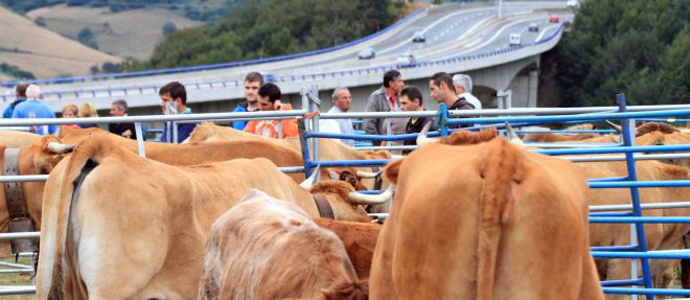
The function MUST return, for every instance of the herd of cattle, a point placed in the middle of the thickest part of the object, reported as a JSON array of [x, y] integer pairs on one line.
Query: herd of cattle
[[474, 216]]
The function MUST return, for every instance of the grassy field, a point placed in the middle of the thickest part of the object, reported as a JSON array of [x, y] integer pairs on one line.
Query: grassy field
[[132, 33], [17, 279], [43, 52]]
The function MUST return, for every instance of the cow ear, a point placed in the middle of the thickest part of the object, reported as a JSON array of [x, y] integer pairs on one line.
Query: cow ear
[[391, 171]]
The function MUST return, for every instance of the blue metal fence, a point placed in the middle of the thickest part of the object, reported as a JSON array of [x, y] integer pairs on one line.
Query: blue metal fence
[[638, 249]]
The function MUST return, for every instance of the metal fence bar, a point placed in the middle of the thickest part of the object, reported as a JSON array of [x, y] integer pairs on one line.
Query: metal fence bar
[[640, 184], [645, 206], [640, 220], [20, 235], [646, 291], [17, 290]]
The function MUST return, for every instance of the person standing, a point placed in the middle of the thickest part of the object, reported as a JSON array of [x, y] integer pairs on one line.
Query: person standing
[[269, 100], [342, 101], [443, 91], [411, 100], [252, 82], [33, 108], [386, 99], [21, 97], [463, 88], [119, 109], [87, 110], [70, 111], [174, 102]]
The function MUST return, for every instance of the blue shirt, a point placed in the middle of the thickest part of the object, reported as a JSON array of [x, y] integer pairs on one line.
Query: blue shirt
[[183, 130], [8, 111], [35, 109]]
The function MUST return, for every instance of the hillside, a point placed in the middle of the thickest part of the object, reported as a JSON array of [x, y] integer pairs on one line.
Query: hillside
[[131, 33], [43, 52]]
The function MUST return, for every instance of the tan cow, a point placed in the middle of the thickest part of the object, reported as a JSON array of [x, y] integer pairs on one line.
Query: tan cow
[[16, 139], [359, 240], [485, 221], [329, 149], [121, 226], [264, 249]]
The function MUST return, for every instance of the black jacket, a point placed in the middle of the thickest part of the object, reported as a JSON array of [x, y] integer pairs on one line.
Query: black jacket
[[459, 104], [119, 128], [416, 126]]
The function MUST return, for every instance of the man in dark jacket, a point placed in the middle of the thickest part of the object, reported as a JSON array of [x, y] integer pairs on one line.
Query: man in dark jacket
[[252, 82], [119, 109], [443, 91], [411, 100]]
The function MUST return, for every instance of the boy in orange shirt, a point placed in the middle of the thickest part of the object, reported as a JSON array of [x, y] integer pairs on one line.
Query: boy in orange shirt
[[269, 100]]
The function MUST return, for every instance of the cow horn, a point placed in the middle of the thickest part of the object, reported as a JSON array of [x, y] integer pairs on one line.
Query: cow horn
[[512, 136], [422, 138], [56, 147], [309, 182], [333, 175], [365, 174], [616, 127], [363, 199]]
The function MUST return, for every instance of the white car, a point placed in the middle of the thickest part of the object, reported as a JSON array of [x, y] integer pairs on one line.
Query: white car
[[572, 3], [406, 60], [418, 37], [367, 53], [534, 26], [514, 39]]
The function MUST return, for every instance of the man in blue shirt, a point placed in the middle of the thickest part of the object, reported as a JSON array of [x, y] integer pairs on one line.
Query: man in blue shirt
[[21, 97], [252, 82], [174, 102], [34, 108]]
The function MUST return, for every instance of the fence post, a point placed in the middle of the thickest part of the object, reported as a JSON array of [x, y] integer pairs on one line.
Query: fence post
[[140, 139], [629, 141], [303, 134], [314, 105]]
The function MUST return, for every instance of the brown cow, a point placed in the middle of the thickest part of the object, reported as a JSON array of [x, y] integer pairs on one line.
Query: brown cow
[[119, 226], [264, 248], [359, 240], [485, 221], [17, 139]]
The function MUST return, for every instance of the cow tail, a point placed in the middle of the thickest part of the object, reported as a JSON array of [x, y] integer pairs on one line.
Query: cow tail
[[80, 163], [498, 171]]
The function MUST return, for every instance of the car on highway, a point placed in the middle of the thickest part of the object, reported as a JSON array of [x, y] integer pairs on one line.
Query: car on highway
[[554, 19], [514, 39], [367, 53], [406, 60], [534, 26], [573, 3], [418, 37]]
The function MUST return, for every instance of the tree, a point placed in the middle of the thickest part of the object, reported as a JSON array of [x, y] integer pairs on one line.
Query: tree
[[87, 38], [635, 46], [168, 28]]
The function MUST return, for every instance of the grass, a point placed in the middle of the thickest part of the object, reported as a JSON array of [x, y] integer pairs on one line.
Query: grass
[[17, 279], [43, 52], [131, 33]]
